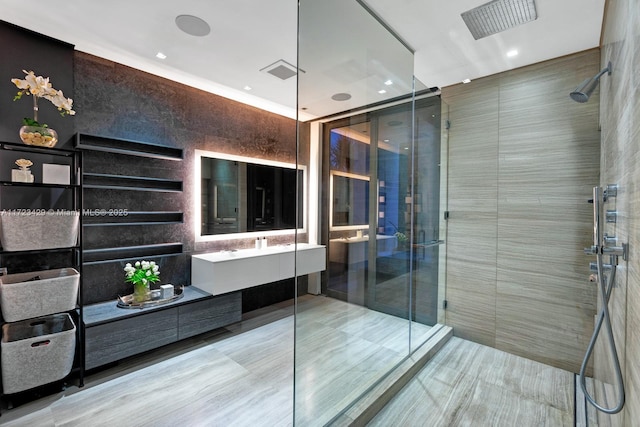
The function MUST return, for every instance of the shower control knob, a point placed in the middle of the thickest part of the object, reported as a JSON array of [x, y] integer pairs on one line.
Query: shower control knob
[[593, 267], [622, 251], [591, 250], [611, 191]]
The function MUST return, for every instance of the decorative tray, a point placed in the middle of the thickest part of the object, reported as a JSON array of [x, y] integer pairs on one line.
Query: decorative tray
[[128, 302]]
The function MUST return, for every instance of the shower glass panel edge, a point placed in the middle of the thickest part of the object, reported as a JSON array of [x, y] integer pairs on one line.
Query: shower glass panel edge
[[348, 60]]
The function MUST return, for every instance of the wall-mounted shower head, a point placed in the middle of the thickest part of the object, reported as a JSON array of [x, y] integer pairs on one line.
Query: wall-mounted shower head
[[586, 88]]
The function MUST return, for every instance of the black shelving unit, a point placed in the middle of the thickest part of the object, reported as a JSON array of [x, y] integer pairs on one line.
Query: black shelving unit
[[128, 152], [144, 175], [42, 198]]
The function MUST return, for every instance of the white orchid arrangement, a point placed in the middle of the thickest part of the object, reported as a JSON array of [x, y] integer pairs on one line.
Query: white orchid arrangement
[[40, 87], [142, 272]]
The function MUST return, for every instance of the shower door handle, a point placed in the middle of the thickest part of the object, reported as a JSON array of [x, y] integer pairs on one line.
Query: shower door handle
[[426, 245]]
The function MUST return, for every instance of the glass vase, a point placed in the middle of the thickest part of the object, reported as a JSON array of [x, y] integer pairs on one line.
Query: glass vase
[[39, 136], [141, 292]]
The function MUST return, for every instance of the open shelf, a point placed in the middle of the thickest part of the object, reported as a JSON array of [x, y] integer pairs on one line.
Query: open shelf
[[130, 148], [132, 183], [131, 253], [36, 149], [133, 218], [36, 185], [39, 251]]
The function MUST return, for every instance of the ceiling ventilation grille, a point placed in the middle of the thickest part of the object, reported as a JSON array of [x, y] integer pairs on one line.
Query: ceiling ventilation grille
[[499, 15], [281, 69]]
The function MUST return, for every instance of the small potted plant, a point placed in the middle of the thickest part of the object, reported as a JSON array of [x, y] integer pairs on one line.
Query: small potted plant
[[142, 274], [401, 237]]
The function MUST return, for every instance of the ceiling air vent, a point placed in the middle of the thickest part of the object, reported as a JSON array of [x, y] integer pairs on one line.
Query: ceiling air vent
[[499, 15], [281, 69]]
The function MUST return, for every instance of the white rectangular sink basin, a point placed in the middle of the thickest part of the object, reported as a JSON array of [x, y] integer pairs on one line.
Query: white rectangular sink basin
[[228, 271]]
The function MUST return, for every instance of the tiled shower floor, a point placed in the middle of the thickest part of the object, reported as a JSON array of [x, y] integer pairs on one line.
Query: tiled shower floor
[[468, 384]]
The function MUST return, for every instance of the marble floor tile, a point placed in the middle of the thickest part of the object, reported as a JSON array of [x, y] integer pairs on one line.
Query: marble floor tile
[[528, 378], [468, 384], [243, 376]]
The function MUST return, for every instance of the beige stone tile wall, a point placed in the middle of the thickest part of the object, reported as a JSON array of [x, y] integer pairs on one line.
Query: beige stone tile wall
[[620, 164], [522, 161]]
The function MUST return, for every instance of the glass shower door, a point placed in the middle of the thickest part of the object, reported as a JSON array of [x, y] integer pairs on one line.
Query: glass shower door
[[348, 61], [403, 281]]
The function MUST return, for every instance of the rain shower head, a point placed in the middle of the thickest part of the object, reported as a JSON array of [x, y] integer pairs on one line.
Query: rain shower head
[[586, 88]]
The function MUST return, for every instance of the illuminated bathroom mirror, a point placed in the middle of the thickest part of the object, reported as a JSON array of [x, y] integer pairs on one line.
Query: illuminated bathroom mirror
[[349, 201], [239, 196]]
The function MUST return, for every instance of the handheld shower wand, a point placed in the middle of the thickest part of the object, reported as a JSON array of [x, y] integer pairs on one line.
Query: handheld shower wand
[[605, 287]]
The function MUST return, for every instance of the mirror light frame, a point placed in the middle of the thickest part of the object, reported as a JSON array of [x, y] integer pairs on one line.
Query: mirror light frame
[[344, 227], [197, 191]]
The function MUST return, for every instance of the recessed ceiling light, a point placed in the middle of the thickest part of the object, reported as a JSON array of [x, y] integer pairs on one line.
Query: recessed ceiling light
[[342, 96], [161, 55], [512, 53], [465, 81], [193, 25], [381, 91], [247, 88], [385, 140], [406, 148], [388, 82]]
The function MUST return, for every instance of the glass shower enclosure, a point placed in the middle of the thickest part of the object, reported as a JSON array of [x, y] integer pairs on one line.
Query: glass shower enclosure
[[376, 132]]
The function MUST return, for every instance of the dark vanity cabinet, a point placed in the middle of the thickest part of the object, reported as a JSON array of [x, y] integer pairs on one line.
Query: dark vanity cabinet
[[114, 333]]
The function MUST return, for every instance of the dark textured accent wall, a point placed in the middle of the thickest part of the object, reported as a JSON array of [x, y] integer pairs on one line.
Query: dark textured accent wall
[[113, 100]]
